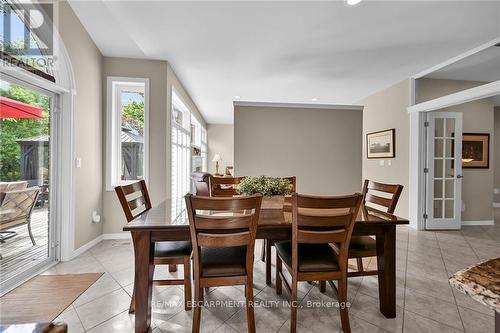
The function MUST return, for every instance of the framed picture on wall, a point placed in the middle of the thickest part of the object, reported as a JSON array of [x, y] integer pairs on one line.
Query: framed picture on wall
[[476, 150], [381, 144]]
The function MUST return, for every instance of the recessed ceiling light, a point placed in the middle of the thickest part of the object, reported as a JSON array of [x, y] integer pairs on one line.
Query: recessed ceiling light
[[353, 2], [314, 99], [237, 97]]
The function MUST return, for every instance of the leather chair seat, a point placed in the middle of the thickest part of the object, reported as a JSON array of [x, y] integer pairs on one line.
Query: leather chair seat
[[173, 249], [362, 246], [312, 257], [227, 261]]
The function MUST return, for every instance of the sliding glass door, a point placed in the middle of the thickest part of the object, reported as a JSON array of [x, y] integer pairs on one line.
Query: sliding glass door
[[28, 162]]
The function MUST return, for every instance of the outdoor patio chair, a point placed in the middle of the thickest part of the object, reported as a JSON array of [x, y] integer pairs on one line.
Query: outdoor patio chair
[[15, 210]]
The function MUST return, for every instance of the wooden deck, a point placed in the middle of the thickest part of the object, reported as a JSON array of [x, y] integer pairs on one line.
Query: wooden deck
[[18, 253]]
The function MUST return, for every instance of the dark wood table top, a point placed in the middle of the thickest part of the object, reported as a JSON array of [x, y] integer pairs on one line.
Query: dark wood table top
[[171, 214]]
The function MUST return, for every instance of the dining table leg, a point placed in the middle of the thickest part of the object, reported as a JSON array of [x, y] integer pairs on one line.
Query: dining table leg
[[386, 266], [143, 279]]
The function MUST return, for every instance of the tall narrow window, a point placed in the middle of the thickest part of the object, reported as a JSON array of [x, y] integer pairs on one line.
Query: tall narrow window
[[181, 147], [127, 130]]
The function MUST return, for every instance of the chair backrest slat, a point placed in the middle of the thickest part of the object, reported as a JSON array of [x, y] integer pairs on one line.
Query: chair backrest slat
[[207, 203], [222, 240], [134, 199], [314, 237], [224, 186], [223, 222], [323, 221], [393, 190]]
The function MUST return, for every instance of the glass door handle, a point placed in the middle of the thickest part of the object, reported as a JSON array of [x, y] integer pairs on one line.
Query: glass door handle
[[459, 176]]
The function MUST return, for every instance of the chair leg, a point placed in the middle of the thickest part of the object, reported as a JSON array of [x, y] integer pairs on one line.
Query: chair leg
[[263, 251], [293, 307], [131, 308], [187, 283], [30, 233], [279, 267], [268, 262], [197, 310], [322, 286], [172, 268], [344, 311], [250, 312], [360, 264]]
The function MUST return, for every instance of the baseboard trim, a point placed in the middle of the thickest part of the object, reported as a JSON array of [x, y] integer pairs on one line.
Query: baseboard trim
[[496, 204], [86, 247], [481, 222], [118, 235]]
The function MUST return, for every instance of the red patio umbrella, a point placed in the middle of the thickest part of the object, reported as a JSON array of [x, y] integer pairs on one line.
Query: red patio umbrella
[[10, 108]]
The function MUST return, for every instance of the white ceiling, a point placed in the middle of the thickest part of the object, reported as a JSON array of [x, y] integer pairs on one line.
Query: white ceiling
[[288, 51], [482, 66]]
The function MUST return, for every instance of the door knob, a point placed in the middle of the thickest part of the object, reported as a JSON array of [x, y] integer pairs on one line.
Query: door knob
[[459, 176]]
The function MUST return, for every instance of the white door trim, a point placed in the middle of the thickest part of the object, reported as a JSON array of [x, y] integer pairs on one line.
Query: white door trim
[[464, 96]]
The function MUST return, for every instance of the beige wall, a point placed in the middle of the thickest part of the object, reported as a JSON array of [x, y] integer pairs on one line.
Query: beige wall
[[86, 61], [322, 147], [161, 81], [220, 141], [478, 117], [386, 109], [496, 150]]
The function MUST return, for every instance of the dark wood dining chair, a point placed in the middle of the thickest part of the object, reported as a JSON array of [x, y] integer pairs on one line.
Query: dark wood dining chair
[[265, 254], [318, 222], [135, 200], [223, 234], [224, 186], [365, 246]]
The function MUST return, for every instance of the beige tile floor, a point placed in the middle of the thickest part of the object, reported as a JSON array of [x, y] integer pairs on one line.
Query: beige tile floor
[[425, 301]]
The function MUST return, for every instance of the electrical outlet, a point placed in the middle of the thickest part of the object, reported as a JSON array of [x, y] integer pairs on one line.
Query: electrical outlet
[[96, 218], [389, 162]]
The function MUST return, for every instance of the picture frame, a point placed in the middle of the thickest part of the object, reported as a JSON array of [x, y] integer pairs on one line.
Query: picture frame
[[476, 150], [381, 144]]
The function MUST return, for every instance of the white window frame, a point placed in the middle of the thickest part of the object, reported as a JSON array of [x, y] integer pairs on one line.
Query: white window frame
[[113, 131], [186, 128]]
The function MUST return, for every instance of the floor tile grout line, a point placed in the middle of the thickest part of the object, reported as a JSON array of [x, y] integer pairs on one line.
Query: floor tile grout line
[[456, 303], [435, 321], [102, 322], [78, 316]]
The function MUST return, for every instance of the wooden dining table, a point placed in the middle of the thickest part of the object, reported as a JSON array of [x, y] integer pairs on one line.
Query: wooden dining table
[[168, 222]]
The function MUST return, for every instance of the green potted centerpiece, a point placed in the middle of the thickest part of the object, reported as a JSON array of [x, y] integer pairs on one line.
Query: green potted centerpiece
[[273, 189]]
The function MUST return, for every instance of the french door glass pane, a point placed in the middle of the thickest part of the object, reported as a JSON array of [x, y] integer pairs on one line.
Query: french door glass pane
[[438, 209], [439, 128], [25, 128], [450, 127]]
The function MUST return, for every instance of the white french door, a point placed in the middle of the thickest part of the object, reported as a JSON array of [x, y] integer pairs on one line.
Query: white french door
[[444, 166]]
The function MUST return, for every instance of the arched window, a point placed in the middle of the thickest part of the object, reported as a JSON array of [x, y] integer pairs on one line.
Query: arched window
[[27, 38]]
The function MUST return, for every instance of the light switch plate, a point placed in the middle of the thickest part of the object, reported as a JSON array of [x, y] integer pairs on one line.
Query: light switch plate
[[389, 162], [381, 162], [78, 162]]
